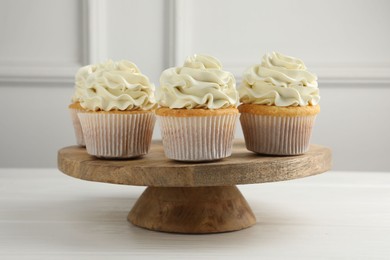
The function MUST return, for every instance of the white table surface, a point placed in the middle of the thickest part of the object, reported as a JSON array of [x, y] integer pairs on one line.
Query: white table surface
[[45, 214]]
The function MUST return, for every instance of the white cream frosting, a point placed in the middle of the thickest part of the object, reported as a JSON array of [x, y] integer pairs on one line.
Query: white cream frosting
[[113, 86], [200, 83], [80, 83], [281, 81]]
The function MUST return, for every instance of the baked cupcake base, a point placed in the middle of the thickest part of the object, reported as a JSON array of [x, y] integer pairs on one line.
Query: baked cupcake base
[[277, 130], [117, 134], [197, 134], [74, 109]]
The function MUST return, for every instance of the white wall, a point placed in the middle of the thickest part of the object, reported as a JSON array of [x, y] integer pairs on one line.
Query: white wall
[[344, 42]]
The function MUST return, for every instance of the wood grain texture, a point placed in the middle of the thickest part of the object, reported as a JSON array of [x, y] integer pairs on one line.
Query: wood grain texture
[[192, 210], [155, 170]]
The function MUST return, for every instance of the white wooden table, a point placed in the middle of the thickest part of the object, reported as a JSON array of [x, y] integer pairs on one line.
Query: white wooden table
[[45, 214]]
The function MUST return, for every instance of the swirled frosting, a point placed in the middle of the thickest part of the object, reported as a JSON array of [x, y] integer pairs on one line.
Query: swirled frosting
[[113, 86], [80, 83], [281, 81], [199, 83]]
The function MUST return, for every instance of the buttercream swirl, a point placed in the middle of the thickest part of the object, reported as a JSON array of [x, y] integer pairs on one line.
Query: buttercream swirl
[[80, 83], [199, 83], [281, 81], [113, 86]]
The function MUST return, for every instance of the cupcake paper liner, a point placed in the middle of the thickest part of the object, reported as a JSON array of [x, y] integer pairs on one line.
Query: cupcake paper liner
[[277, 135], [198, 138], [117, 135], [77, 126]]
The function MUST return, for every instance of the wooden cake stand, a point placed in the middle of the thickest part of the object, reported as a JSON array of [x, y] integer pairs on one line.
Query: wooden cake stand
[[193, 197]]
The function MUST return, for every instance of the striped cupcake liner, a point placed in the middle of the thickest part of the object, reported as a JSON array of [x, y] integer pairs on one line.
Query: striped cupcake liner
[[276, 135], [77, 126], [117, 135], [198, 138]]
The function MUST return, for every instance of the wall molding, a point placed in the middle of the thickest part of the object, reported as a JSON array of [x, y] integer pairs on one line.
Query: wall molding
[[95, 31], [92, 45], [179, 38], [329, 74]]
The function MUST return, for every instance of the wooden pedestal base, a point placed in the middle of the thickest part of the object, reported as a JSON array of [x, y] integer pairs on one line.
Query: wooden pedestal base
[[193, 197], [192, 210]]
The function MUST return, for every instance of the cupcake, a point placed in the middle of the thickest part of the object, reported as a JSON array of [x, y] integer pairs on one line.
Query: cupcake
[[75, 107], [117, 116], [198, 110], [280, 103]]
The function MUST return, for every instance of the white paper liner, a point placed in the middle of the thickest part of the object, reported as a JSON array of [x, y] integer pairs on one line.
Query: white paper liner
[[117, 135], [198, 138], [277, 135], [77, 126]]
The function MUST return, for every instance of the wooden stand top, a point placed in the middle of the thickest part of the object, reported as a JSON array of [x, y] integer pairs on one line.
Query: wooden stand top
[[156, 170]]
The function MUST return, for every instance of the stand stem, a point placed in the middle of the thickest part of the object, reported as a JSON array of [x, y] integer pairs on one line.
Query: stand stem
[[192, 210]]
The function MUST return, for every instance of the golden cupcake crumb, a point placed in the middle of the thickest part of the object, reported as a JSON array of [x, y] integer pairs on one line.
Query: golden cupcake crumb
[[76, 105], [122, 112], [183, 112], [279, 111]]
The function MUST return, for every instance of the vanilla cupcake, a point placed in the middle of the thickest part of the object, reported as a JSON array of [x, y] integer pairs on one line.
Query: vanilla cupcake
[[198, 110], [280, 103], [117, 115], [75, 107]]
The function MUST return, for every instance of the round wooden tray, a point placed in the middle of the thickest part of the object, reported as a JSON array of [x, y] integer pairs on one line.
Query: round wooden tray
[[193, 197]]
